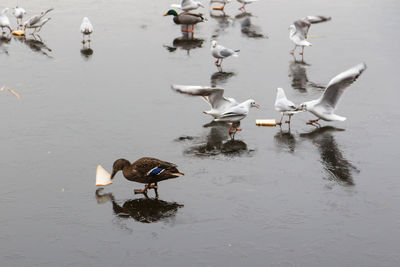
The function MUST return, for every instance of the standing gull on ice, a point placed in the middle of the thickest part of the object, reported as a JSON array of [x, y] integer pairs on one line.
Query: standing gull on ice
[[222, 108], [4, 20], [19, 13], [284, 105], [86, 29], [220, 52], [36, 22], [325, 106], [299, 30], [188, 5]]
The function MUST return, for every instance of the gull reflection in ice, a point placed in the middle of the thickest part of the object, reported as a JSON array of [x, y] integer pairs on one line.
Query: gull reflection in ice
[[215, 142], [250, 30], [144, 210], [336, 166], [223, 20], [36, 44], [220, 77], [4, 42], [86, 53], [186, 42], [298, 73], [285, 140]]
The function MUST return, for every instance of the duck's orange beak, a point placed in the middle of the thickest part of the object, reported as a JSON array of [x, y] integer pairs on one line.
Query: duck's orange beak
[[166, 14]]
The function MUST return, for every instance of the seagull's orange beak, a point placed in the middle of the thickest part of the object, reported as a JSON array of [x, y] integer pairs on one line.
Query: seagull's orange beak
[[257, 105]]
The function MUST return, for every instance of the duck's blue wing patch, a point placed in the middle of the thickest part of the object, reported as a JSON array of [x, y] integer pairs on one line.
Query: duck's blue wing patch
[[155, 171]]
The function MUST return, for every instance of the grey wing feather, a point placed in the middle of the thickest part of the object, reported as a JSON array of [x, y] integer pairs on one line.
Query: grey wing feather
[[316, 19], [213, 96], [225, 52], [302, 27], [339, 83]]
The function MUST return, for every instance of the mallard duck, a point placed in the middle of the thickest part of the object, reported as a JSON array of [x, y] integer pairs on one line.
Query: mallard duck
[[147, 171], [185, 18]]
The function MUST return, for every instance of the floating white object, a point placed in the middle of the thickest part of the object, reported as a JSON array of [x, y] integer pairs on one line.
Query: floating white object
[[18, 33], [271, 122], [103, 177]]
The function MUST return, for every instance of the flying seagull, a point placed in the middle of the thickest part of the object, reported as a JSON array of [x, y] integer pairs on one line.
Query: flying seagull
[[36, 22], [299, 29], [222, 108], [325, 106]]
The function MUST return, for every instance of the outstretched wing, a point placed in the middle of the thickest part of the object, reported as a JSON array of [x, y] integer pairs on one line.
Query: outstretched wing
[[213, 96], [303, 25], [35, 19], [339, 83]]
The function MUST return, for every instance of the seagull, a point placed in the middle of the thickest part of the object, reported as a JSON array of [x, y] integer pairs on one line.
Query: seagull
[[223, 108], [245, 2], [36, 22], [188, 5], [19, 13], [220, 52], [299, 30], [284, 105], [86, 29], [4, 21], [325, 106]]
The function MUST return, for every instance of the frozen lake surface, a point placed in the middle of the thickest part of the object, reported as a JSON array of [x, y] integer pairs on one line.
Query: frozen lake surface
[[325, 197]]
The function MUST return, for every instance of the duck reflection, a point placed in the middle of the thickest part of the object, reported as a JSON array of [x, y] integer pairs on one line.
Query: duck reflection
[[285, 140], [186, 42], [216, 142], [220, 78], [86, 53], [250, 30], [298, 73], [337, 167], [4, 42], [145, 210]]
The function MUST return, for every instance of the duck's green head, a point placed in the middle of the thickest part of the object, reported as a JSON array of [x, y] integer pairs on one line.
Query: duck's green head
[[119, 165], [171, 12]]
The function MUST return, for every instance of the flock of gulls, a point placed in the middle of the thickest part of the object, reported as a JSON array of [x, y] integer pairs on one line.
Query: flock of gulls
[[150, 171]]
